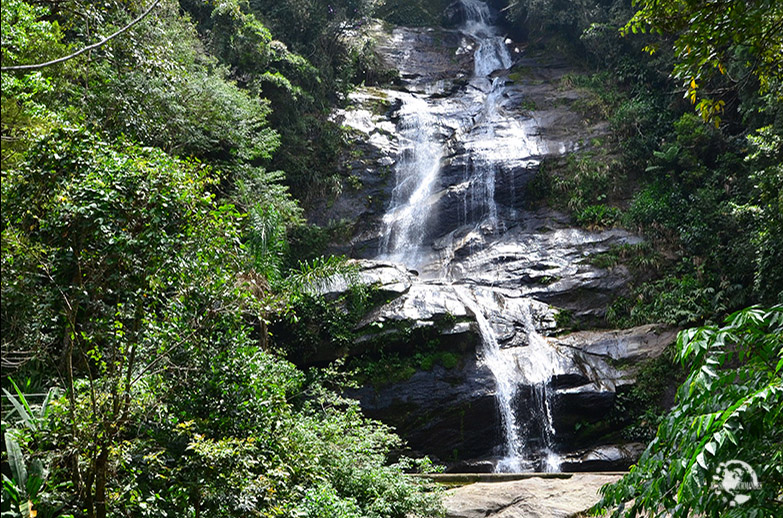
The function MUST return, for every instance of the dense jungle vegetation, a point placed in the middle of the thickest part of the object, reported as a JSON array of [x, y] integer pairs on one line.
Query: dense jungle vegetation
[[153, 198]]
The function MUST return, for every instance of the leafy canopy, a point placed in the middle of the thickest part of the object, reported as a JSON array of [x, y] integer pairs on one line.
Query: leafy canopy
[[733, 38]]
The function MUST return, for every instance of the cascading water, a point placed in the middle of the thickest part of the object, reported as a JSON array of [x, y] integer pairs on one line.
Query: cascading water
[[540, 360], [533, 369], [407, 219], [492, 53], [506, 383], [416, 173]]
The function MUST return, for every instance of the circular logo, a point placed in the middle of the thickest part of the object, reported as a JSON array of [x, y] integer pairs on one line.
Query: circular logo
[[734, 480]]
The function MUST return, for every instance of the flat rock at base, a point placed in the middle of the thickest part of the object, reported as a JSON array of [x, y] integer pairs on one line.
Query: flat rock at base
[[529, 498]]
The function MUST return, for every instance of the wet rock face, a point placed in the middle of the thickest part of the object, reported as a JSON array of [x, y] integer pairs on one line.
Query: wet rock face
[[526, 269], [429, 60], [449, 414]]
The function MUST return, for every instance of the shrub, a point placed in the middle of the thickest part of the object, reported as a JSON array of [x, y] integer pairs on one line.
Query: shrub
[[598, 216]]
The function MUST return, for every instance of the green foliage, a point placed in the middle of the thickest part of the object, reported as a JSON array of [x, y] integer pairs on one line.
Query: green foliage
[[387, 367], [766, 158], [169, 405], [548, 15], [301, 90], [640, 257], [598, 216], [178, 99], [581, 185], [412, 13], [639, 123], [708, 210], [320, 329], [140, 285], [699, 199], [306, 242], [729, 408], [565, 320], [28, 476], [125, 250], [704, 195], [323, 502], [728, 37], [27, 416], [639, 410], [600, 96], [28, 37], [672, 300]]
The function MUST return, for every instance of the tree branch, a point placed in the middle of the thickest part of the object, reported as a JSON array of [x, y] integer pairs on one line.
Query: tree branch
[[87, 48]]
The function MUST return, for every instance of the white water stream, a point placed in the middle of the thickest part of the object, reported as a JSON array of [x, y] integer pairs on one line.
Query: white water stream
[[416, 174], [410, 212]]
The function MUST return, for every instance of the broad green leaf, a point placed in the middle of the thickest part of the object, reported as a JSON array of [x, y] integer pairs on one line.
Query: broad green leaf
[[16, 462]]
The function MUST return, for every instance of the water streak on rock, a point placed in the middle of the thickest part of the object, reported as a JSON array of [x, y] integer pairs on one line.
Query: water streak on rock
[[416, 174]]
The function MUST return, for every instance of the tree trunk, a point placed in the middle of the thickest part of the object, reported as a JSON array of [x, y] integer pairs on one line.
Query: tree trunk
[[101, 467]]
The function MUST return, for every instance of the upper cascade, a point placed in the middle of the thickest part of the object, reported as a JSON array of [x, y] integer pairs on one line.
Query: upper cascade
[[492, 53], [428, 128], [416, 174]]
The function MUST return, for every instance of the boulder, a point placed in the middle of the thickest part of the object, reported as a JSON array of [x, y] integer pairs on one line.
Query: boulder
[[609, 457], [623, 346]]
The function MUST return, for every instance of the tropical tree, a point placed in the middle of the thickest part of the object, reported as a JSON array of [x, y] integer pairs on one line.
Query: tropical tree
[[735, 39]]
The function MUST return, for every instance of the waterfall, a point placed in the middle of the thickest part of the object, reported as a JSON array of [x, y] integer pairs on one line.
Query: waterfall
[[541, 359], [416, 173], [534, 369], [406, 229], [492, 53], [484, 171], [506, 384], [490, 56]]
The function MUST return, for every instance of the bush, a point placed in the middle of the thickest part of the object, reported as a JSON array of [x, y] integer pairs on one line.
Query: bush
[[598, 216]]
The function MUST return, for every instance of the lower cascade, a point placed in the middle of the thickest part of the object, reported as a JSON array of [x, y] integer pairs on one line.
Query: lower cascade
[[509, 375]]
